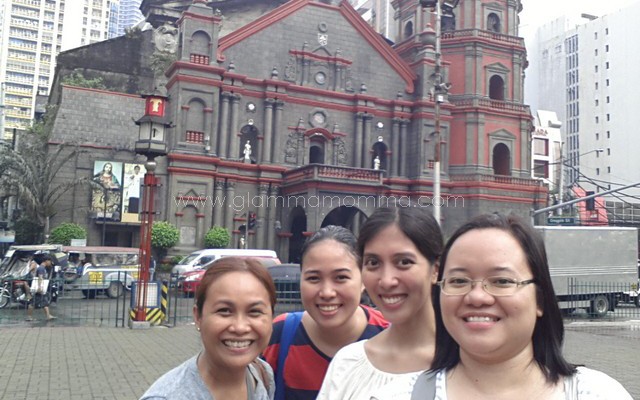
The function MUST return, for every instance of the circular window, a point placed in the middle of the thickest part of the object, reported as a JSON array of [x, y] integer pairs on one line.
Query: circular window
[[320, 78], [319, 118]]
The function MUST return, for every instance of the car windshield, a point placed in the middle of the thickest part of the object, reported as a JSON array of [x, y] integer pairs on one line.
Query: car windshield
[[103, 260], [188, 259]]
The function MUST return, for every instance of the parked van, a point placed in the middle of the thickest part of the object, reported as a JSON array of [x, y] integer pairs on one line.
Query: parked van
[[198, 259], [104, 269], [15, 261]]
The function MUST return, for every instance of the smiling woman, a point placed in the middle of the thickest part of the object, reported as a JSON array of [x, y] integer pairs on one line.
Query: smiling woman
[[500, 330], [233, 314]]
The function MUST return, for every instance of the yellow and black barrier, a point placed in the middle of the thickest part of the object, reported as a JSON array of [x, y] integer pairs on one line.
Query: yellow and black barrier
[[154, 315], [164, 296]]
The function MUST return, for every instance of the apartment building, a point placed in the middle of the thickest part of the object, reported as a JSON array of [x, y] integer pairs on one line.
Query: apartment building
[[585, 72]]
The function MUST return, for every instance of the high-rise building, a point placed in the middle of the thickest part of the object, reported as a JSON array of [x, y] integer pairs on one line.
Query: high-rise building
[[32, 33], [586, 73], [31, 37], [128, 15], [379, 14]]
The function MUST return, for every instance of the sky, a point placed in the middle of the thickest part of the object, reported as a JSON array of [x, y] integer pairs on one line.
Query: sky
[[539, 12]]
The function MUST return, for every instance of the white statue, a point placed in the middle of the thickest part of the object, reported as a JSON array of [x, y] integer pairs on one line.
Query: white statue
[[247, 152], [376, 163]]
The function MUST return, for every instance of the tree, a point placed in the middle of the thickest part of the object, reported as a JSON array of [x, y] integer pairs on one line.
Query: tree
[[217, 238], [63, 233], [28, 171], [164, 236]]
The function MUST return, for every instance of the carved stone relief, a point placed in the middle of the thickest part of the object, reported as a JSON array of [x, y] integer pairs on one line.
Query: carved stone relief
[[291, 150], [341, 152]]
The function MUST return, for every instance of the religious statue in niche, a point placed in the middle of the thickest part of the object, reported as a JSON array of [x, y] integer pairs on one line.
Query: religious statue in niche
[[376, 163], [165, 38], [291, 150], [341, 152], [348, 80], [247, 152]]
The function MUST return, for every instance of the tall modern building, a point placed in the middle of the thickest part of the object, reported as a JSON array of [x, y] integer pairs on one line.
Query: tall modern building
[[31, 37], [586, 73], [379, 14], [128, 15], [32, 33]]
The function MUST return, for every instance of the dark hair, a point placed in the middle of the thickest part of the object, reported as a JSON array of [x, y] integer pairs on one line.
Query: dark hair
[[226, 265], [332, 232], [416, 223], [548, 333]]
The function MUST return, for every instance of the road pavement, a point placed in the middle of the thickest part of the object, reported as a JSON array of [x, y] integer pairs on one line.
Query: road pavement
[[45, 361]]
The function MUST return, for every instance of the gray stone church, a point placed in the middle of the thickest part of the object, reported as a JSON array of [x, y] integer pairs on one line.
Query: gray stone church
[[285, 116]]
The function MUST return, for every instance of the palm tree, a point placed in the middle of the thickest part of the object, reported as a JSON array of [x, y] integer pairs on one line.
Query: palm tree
[[28, 172]]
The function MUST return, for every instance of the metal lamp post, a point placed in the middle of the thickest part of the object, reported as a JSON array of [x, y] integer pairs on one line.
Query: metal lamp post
[[440, 88], [151, 144]]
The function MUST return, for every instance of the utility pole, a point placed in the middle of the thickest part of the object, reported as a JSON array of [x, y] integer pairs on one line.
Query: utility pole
[[439, 98]]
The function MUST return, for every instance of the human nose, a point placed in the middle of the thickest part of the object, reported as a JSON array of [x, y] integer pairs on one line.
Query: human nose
[[478, 295], [327, 290], [388, 277], [240, 324]]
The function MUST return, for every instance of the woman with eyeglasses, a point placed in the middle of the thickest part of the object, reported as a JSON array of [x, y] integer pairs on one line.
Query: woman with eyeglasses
[[400, 248], [499, 327]]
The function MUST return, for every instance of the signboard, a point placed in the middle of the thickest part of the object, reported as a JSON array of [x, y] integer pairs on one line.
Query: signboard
[[133, 179], [561, 221], [106, 203]]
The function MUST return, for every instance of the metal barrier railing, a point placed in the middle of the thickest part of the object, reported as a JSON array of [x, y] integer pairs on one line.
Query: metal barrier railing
[[602, 300]]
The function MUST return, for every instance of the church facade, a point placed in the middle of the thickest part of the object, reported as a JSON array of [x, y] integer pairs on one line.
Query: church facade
[[283, 117]]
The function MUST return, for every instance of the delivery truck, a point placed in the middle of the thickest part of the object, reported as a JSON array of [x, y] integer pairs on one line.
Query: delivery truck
[[593, 268]]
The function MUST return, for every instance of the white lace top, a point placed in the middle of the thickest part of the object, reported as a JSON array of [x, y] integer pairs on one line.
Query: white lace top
[[591, 385], [351, 376]]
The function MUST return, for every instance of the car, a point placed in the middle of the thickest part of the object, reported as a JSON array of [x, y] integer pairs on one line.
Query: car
[[286, 278], [198, 259], [191, 280]]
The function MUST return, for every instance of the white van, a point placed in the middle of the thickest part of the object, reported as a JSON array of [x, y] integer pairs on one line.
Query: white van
[[198, 259]]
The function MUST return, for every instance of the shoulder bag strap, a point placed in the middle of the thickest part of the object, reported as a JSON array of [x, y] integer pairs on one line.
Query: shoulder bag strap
[[264, 376], [288, 331], [425, 386]]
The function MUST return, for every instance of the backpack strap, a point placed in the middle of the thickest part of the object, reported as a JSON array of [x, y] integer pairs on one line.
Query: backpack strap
[[288, 331], [264, 376], [425, 386]]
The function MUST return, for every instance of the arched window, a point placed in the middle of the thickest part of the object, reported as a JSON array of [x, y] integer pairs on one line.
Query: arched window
[[408, 29], [316, 151], [493, 23], [496, 88], [501, 160]]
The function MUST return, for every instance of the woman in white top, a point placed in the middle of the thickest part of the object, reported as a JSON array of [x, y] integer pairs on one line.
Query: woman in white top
[[500, 330], [400, 248]]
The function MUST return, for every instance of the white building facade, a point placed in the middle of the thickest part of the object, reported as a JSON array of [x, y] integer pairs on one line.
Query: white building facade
[[586, 73]]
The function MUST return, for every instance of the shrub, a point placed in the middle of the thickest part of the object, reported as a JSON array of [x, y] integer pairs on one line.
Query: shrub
[[63, 233], [164, 235], [217, 238]]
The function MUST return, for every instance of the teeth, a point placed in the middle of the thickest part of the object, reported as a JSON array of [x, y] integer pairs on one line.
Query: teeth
[[328, 308], [479, 319], [391, 300], [237, 344]]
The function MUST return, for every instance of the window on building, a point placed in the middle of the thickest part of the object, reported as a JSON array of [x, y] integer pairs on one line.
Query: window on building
[[596, 51], [596, 68], [597, 138], [608, 117], [607, 65], [597, 171], [596, 85], [597, 102], [608, 151], [408, 29], [606, 48], [608, 100], [608, 170], [606, 31], [607, 82], [608, 135], [597, 120], [540, 169], [496, 88], [541, 146], [595, 35]]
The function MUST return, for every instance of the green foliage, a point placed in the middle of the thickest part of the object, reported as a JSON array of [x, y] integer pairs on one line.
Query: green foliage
[[28, 171], [77, 79], [28, 231], [176, 259], [217, 238], [63, 233], [164, 235], [160, 61]]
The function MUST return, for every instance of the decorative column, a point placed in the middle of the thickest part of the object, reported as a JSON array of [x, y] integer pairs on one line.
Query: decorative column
[[208, 117], [396, 154], [218, 202], [224, 125], [271, 217], [366, 157], [277, 121], [234, 144], [357, 145], [263, 230], [268, 130], [228, 211], [405, 147]]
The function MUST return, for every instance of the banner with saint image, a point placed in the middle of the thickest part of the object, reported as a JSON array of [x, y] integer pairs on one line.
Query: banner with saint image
[[105, 202], [132, 192]]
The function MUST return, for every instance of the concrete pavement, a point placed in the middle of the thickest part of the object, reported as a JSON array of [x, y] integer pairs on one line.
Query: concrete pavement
[[45, 361]]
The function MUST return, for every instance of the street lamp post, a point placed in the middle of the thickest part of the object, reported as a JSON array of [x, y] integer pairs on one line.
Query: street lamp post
[[151, 144], [440, 88]]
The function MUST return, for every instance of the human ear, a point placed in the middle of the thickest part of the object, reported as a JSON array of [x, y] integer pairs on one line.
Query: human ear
[[434, 272]]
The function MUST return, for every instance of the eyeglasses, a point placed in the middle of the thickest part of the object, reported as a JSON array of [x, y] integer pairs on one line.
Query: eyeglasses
[[494, 285]]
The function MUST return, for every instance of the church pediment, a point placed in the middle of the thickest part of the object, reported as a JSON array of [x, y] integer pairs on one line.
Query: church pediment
[[503, 134]]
